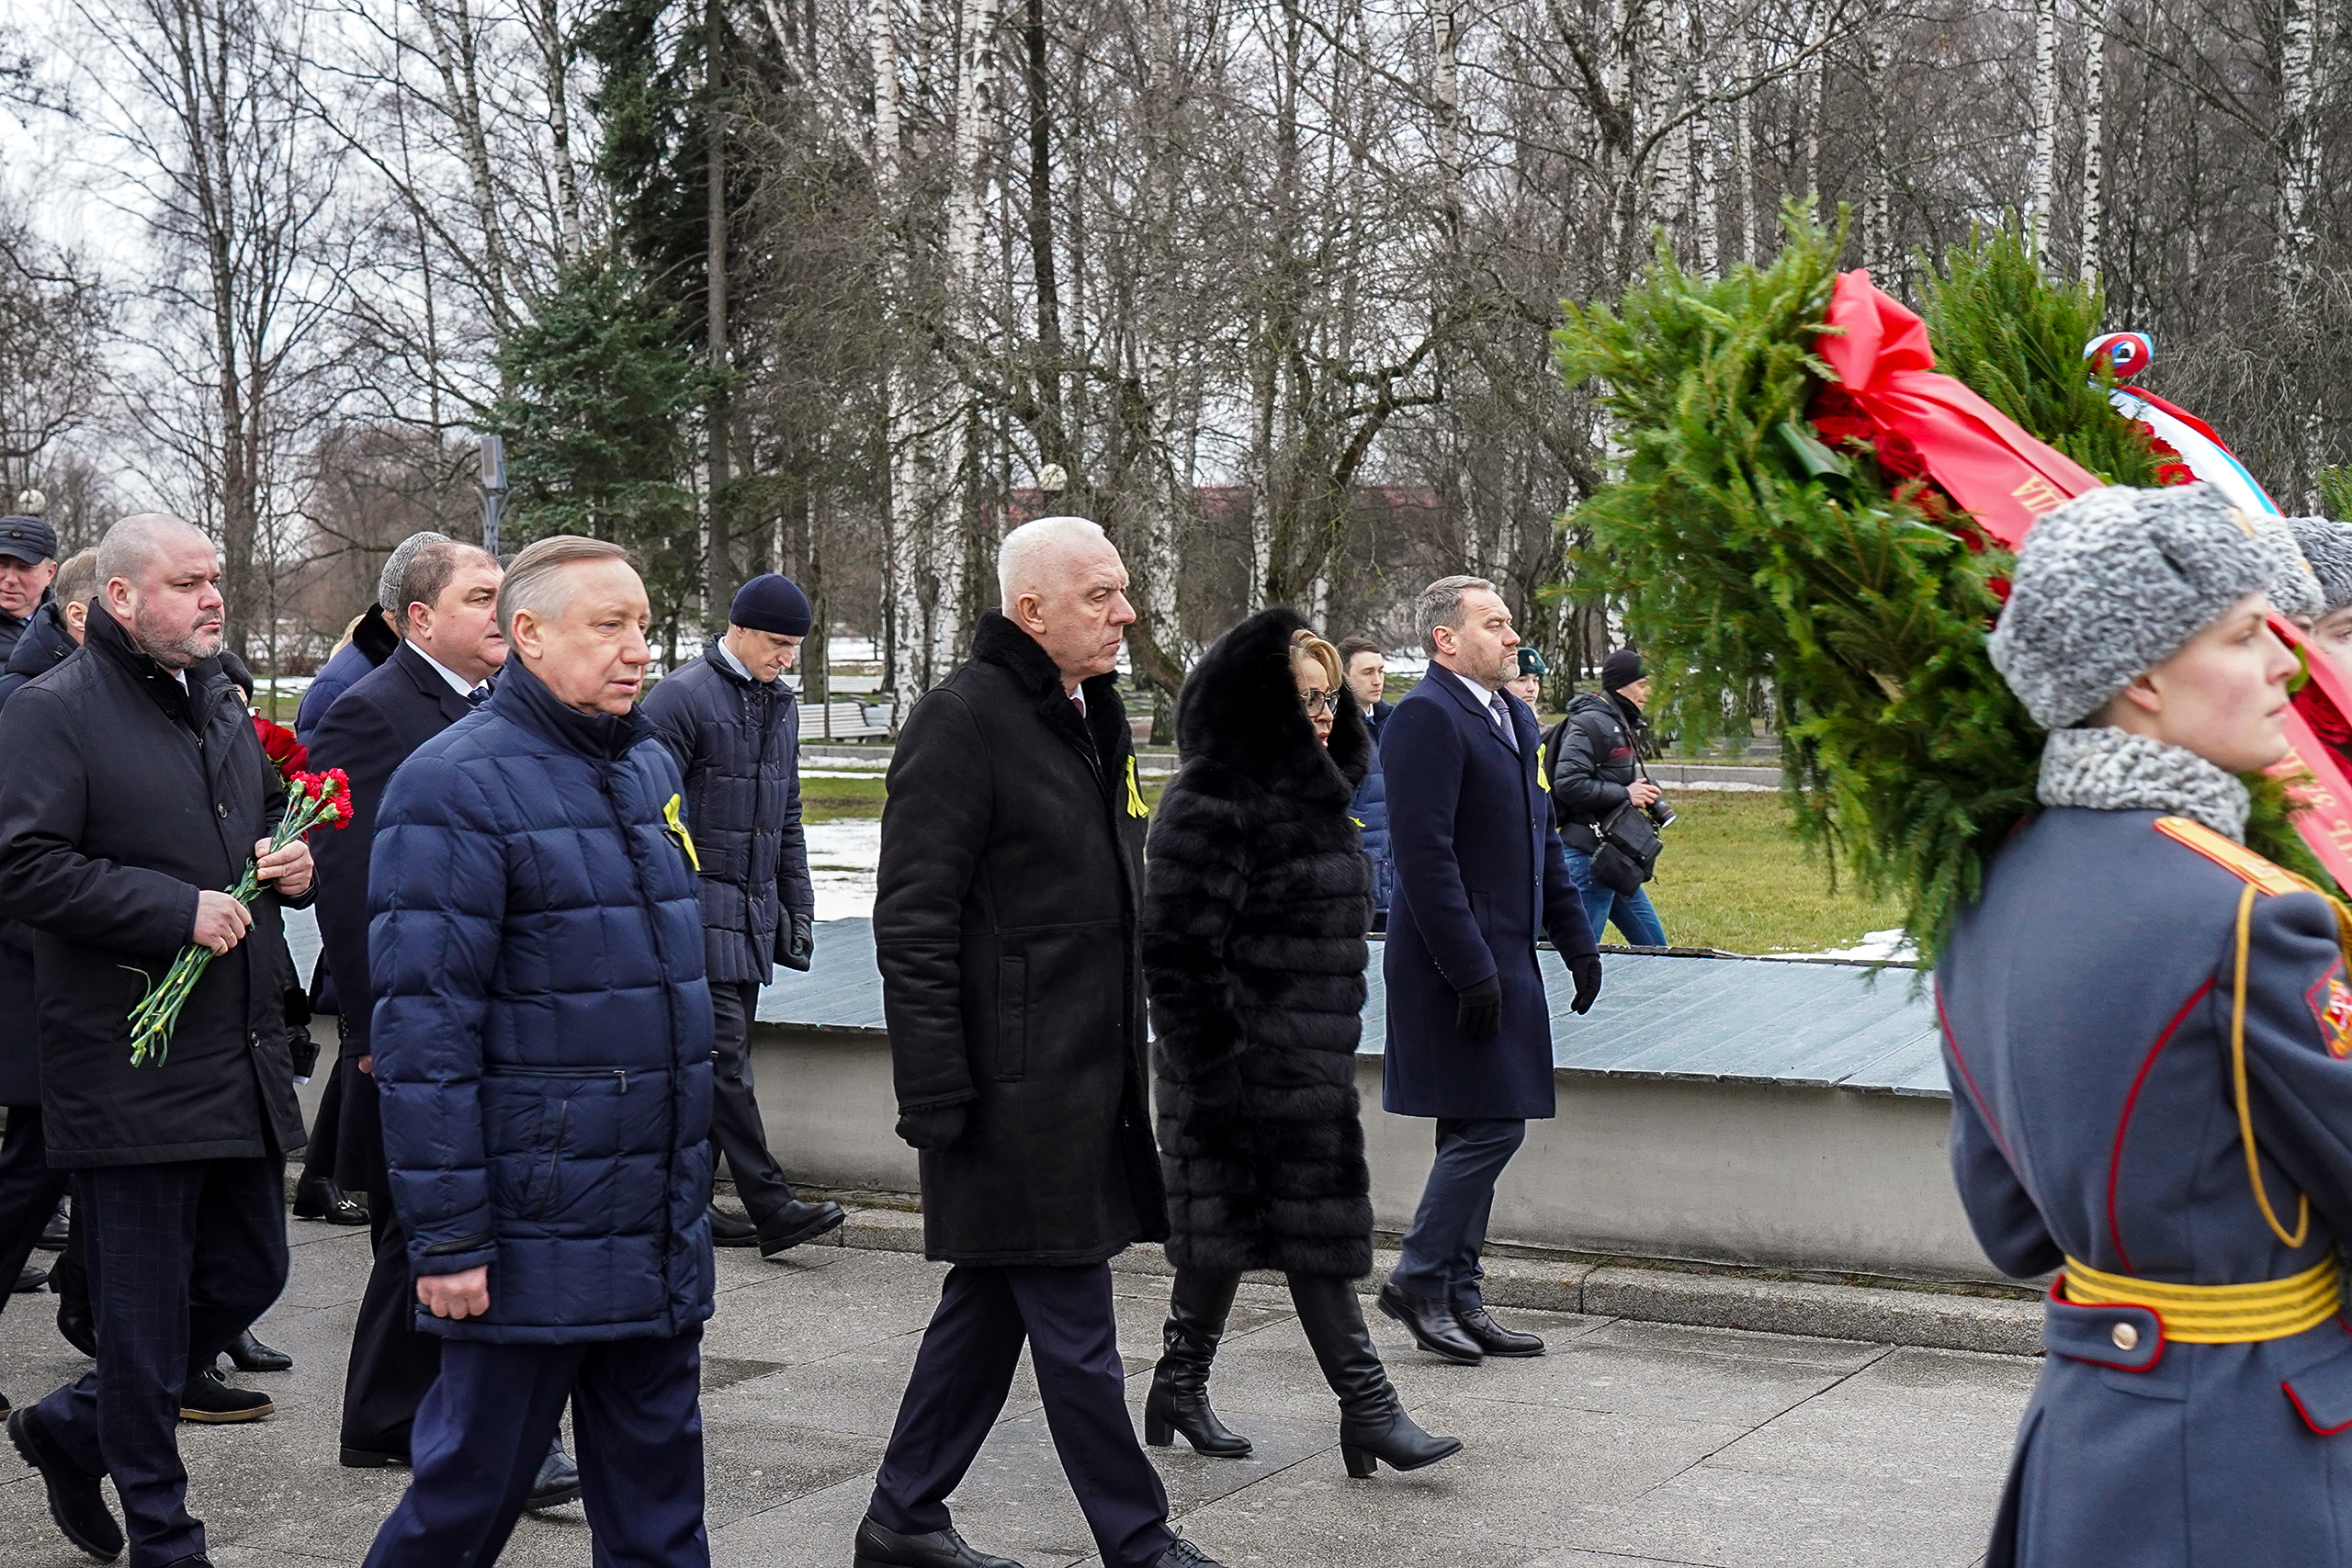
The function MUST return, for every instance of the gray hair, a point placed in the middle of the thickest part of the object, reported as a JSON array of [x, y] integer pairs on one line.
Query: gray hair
[[428, 572], [135, 541], [388, 582], [1440, 604], [1032, 549], [78, 578], [534, 583]]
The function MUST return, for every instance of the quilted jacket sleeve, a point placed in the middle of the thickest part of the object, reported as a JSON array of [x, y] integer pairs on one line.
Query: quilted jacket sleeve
[[436, 894], [1577, 788], [795, 894]]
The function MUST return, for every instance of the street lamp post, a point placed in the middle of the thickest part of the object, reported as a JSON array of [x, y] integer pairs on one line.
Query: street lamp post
[[493, 489]]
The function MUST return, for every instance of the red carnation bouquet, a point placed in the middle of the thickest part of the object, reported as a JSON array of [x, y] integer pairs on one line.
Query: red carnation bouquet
[[312, 800], [284, 754]]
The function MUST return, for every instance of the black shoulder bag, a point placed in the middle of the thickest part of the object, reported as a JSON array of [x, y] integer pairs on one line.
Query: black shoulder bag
[[1630, 843]]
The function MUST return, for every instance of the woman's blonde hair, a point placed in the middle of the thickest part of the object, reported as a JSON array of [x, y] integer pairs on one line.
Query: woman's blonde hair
[[1306, 648]]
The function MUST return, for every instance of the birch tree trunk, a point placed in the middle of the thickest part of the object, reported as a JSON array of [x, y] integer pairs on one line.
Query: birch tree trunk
[[950, 516], [2041, 175], [548, 34], [2094, 137], [455, 47], [901, 544], [718, 554], [2299, 152]]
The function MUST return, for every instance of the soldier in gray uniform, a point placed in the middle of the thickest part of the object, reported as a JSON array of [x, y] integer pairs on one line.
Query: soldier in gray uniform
[[2146, 1027]]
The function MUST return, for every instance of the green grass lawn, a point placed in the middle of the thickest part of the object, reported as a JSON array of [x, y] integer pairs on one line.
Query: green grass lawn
[[1733, 874]]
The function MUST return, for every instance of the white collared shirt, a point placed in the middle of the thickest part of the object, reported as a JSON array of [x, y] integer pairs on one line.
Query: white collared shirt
[[734, 663], [456, 682], [1492, 703]]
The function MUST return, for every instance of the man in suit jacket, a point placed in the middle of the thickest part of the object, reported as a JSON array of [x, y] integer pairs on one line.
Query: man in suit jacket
[[450, 650], [1479, 873]]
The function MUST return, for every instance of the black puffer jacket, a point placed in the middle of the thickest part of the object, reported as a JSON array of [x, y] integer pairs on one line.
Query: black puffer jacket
[[738, 743], [1594, 761], [1004, 925], [1253, 949], [43, 646], [136, 796]]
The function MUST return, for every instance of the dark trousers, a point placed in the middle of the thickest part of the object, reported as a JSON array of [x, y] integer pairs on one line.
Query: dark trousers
[[182, 1258], [392, 1365], [736, 1129], [963, 1373], [483, 1429], [1440, 1254], [318, 1158], [28, 1191]]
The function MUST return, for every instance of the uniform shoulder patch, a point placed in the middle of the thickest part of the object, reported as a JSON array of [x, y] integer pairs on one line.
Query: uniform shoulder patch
[[2331, 1003], [2233, 857]]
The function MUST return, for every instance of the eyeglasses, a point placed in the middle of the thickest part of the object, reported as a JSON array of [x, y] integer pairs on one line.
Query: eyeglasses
[[1319, 702]]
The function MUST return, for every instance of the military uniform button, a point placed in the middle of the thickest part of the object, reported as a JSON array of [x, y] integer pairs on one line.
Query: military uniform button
[[2126, 1337]]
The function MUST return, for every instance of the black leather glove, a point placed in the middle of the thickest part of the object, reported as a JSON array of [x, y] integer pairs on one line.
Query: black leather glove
[[934, 1127], [796, 941], [1478, 1010], [1586, 967]]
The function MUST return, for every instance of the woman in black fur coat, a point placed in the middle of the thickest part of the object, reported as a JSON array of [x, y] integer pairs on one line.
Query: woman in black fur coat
[[1256, 899]]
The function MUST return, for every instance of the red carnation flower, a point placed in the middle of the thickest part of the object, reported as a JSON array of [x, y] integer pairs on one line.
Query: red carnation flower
[[278, 743]]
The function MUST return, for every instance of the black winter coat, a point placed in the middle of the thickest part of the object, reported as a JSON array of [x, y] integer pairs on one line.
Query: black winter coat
[[42, 647], [1253, 948], [1593, 764], [138, 796], [371, 729], [45, 642], [738, 742], [1004, 926]]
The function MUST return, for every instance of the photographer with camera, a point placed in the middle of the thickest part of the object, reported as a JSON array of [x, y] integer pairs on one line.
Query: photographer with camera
[[1608, 810]]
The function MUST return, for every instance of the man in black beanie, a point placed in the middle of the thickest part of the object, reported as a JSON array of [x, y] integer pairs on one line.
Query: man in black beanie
[[735, 728]]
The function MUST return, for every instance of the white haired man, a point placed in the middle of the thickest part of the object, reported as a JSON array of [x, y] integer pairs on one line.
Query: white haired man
[[1004, 925]]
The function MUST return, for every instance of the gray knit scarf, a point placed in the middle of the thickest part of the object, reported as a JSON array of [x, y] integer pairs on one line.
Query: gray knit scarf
[[2114, 770]]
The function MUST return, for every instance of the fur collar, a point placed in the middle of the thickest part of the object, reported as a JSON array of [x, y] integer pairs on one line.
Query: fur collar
[[995, 640], [1240, 709], [2112, 770]]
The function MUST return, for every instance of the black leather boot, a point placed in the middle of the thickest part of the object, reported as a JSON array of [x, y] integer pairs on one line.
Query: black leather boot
[[1179, 1401], [1374, 1427]]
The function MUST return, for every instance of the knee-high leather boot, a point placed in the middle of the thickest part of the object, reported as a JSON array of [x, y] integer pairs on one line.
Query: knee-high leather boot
[[1179, 1401], [1374, 1427]]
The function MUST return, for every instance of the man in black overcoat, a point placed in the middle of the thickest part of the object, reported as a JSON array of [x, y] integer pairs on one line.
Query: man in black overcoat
[[1005, 927], [118, 849], [1479, 875], [449, 648]]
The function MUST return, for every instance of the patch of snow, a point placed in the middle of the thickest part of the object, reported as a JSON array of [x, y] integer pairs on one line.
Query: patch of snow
[[841, 861], [1894, 944]]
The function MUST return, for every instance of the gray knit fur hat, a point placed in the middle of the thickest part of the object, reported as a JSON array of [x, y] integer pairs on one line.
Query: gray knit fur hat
[[2296, 591], [2113, 583], [387, 582], [2327, 548]]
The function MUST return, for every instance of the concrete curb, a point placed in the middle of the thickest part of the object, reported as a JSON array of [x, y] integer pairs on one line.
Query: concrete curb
[[1935, 1319]]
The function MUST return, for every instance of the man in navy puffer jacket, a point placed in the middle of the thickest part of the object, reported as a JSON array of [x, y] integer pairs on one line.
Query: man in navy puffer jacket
[[542, 1035]]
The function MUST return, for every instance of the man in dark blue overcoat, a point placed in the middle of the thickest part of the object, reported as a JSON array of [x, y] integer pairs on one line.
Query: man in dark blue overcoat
[[1479, 873]]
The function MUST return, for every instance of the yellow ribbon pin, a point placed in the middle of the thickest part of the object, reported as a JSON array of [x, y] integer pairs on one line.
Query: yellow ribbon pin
[[678, 831], [1134, 793]]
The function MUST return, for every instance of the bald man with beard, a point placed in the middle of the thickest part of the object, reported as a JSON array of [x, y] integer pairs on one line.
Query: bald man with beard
[[118, 849]]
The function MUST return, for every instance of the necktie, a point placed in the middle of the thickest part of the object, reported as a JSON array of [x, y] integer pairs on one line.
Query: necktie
[[478, 696], [1502, 720]]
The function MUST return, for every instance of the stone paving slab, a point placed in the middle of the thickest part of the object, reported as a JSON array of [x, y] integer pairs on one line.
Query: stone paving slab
[[1629, 1443]]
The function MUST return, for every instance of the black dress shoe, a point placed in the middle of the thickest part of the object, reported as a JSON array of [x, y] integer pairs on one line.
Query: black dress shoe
[[30, 1279], [1491, 1336], [252, 1356], [878, 1548], [371, 1458], [797, 1222], [557, 1484], [207, 1399], [53, 1235], [726, 1230], [1430, 1322], [76, 1503], [1184, 1554], [317, 1198]]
